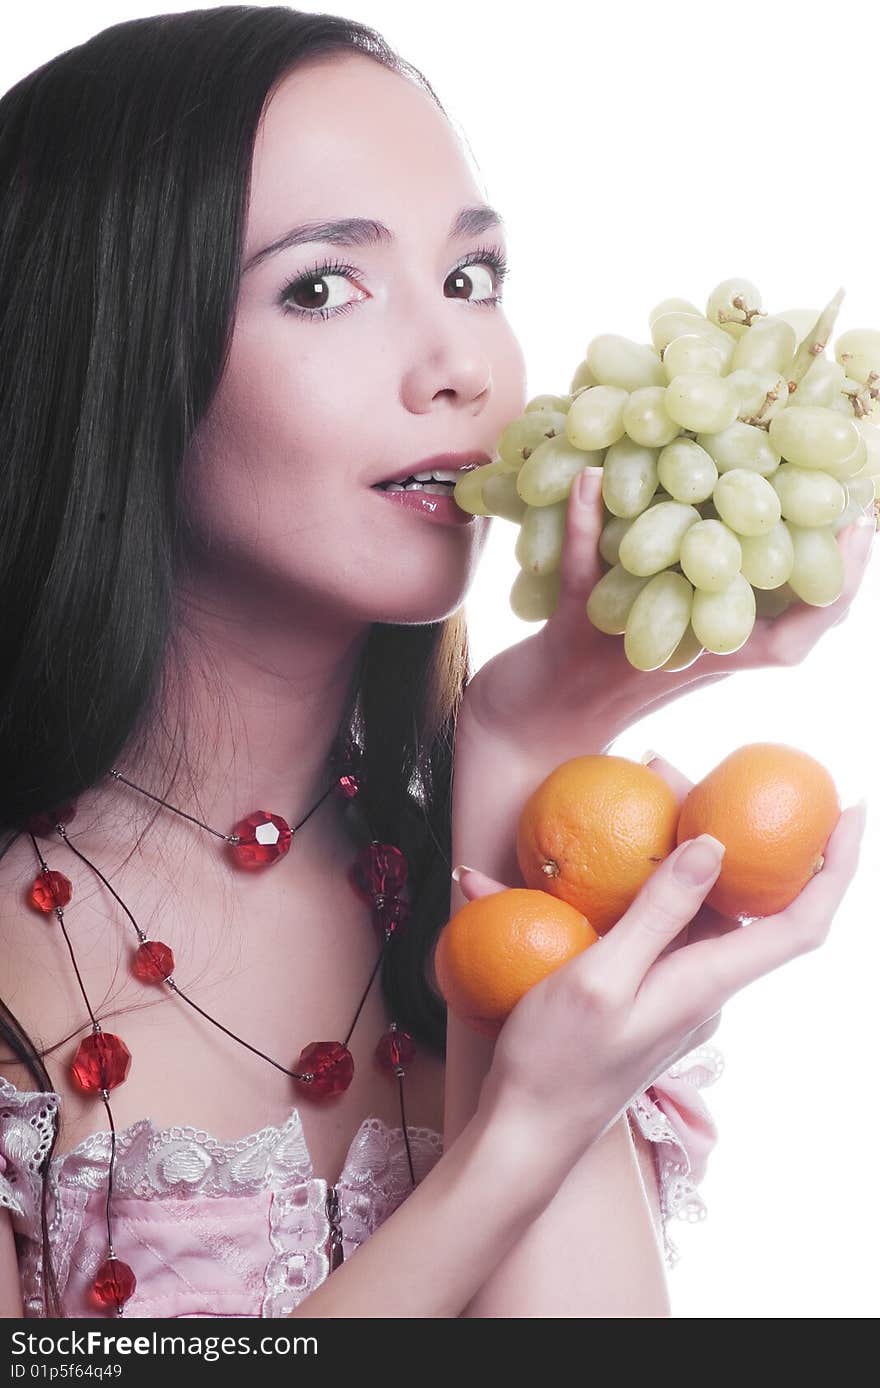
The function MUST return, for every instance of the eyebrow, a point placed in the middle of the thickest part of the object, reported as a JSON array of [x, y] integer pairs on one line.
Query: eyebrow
[[363, 231]]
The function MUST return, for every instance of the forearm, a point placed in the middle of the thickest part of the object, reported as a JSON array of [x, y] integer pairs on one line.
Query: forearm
[[440, 1245], [592, 1252]]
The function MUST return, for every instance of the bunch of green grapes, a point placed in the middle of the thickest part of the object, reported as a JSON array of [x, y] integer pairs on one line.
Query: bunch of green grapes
[[733, 450]]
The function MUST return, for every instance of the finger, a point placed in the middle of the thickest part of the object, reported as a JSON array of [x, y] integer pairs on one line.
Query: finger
[[707, 973], [580, 567], [667, 903], [473, 883], [676, 780], [707, 924]]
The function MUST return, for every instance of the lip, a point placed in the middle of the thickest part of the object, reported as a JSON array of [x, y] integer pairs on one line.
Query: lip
[[444, 462], [441, 510]]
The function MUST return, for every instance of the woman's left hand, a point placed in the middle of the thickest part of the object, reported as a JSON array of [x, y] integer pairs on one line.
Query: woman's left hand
[[569, 688]]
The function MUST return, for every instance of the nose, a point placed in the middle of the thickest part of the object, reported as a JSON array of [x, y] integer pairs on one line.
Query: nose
[[447, 361]]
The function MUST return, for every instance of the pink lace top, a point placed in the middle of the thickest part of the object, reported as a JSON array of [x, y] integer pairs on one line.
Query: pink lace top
[[243, 1228]]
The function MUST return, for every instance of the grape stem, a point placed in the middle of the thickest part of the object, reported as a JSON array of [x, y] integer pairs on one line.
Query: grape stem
[[863, 400], [748, 314], [815, 342], [759, 421]]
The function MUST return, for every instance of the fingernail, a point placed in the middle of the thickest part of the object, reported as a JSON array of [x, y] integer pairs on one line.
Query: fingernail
[[862, 807], [648, 756], [699, 862], [457, 871]]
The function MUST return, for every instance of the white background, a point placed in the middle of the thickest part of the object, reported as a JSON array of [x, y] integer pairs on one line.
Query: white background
[[639, 151]]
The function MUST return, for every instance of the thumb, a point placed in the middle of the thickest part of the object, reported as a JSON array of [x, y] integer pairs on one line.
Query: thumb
[[581, 567], [473, 883]]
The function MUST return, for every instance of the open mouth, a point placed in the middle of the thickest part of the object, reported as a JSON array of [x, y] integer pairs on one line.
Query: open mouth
[[434, 483]]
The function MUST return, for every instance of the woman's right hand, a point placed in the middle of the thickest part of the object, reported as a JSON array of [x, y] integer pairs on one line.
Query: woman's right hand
[[582, 1044]]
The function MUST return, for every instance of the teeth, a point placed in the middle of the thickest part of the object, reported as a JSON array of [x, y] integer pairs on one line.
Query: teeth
[[446, 477], [423, 476], [436, 489], [395, 487]]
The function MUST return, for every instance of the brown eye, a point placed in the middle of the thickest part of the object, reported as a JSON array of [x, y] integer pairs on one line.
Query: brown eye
[[466, 277]]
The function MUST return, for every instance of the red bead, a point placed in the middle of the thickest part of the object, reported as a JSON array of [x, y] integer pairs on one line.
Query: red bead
[[395, 1048], [332, 1065], [348, 787], [49, 890], [153, 962], [389, 913], [114, 1283], [43, 823], [264, 838], [378, 870], [102, 1061]]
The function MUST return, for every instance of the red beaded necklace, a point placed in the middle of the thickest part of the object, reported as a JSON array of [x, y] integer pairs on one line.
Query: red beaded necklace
[[325, 1068]]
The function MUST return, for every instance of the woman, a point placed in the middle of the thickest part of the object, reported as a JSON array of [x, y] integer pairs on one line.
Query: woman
[[209, 590]]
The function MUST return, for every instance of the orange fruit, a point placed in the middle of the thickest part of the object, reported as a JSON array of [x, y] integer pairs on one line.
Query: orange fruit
[[497, 947], [593, 833], [773, 807]]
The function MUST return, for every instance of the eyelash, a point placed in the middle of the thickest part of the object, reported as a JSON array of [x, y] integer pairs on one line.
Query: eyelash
[[483, 255]]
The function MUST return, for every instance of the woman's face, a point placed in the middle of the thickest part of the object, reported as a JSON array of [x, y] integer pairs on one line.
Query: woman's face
[[314, 411]]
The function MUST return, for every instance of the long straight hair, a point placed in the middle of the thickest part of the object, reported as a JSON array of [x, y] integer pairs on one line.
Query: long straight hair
[[124, 183]]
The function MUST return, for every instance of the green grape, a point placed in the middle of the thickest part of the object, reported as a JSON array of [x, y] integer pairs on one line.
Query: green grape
[[746, 502], [582, 378], [762, 394], [803, 320], [686, 652], [768, 345], [702, 403], [813, 437], [533, 598], [711, 556], [871, 436], [859, 502], [657, 621], [646, 420], [616, 361], [613, 531], [549, 404], [817, 574], [807, 496], [595, 419], [669, 326], [526, 432], [852, 465], [546, 476], [772, 602], [672, 306], [767, 560], [539, 542], [741, 445], [859, 352], [609, 604], [821, 385], [653, 541], [687, 471], [629, 477], [691, 352], [468, 490], [721, 309], [501, 498], [723, 621]]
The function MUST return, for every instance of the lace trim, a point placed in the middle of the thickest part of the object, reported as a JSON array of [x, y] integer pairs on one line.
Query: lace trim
[[186, 1161], [679, 1196]]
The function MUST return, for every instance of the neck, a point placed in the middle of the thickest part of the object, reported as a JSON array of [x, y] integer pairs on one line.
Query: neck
[[253, 705]]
